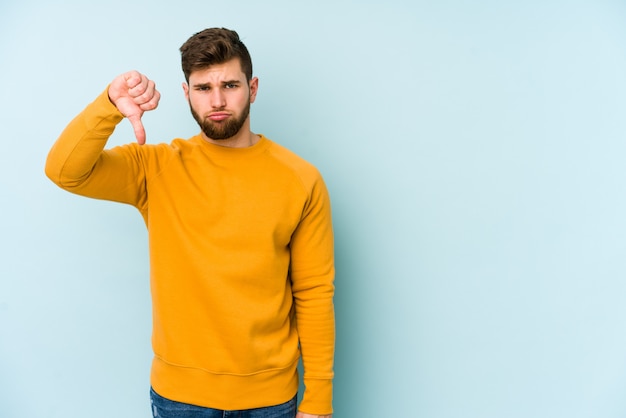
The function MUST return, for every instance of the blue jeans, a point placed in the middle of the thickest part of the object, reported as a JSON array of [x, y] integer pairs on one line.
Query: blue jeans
[[165, 408]]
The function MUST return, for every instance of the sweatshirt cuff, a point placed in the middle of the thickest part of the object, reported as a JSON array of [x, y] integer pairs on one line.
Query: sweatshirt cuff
[[318, 397], [104, 106], [101, 115]]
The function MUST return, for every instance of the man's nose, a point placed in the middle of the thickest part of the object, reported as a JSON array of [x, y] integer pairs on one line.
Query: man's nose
[[218, 99]]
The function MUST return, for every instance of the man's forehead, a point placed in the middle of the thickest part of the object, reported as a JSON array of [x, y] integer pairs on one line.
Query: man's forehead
[[218, 73]]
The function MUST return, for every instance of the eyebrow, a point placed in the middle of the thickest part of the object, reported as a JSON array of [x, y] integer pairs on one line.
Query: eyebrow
[[204, 85]]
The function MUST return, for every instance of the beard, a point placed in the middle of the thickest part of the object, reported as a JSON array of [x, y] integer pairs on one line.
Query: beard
[[223, 129]]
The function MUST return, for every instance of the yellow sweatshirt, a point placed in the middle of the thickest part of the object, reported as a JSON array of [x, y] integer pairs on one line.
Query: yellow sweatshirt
[[241, 260]]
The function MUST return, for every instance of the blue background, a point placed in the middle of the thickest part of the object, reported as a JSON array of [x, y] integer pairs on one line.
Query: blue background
[[474, 152]]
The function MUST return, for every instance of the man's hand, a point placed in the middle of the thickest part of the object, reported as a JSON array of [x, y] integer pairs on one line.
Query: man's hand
[[303, 415], [133, 93]]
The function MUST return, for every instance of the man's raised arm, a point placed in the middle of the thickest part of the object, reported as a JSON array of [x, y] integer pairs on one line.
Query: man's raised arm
[[74, 156]]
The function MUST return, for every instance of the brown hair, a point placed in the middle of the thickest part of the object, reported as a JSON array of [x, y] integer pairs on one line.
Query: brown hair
[[214, 46]]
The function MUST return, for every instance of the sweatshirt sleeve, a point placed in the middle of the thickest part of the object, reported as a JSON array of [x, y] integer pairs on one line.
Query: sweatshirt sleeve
[[312, 274], [79, 163]]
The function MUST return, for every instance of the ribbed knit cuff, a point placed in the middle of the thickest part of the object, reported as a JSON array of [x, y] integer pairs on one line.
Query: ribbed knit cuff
[[318, 397]]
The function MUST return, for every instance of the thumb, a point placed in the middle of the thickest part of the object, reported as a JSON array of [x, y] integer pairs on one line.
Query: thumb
[[140, 132]]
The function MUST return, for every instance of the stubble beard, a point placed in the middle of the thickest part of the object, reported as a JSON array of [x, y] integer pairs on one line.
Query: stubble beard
[[224, 129]]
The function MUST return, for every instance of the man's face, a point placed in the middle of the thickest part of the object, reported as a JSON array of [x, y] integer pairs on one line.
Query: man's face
[[220, 98]]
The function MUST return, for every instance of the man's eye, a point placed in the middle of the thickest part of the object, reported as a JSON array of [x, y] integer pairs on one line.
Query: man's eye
[[230, 86]]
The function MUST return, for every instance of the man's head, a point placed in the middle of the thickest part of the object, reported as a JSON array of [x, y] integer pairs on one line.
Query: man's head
[[220, 86], [214, 46]]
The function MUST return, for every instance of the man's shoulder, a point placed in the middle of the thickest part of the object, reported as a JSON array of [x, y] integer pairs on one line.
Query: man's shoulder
[[175, 146], [290, 159], [156, 156]]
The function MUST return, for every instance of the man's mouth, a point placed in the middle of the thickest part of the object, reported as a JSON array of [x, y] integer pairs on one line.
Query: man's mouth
[[218, 116]]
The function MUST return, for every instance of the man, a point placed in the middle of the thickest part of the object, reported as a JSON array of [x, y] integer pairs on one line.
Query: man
[[240, 237]]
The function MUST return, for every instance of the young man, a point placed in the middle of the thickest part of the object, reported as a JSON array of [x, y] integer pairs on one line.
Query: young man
[[240, 238]]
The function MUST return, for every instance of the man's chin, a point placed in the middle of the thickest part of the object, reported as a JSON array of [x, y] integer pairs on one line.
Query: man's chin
[[212, 135], [220, 133]]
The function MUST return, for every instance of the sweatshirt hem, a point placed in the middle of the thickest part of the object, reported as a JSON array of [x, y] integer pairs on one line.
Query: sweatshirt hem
[[224, 391]]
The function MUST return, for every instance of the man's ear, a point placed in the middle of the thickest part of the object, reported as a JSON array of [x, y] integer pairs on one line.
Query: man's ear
[[254, 87], [186, 90]]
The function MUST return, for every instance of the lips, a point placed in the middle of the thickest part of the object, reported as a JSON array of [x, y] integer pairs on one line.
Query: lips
[[218, 116]]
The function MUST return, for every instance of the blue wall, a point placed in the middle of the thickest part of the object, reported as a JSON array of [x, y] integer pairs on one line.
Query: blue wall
[[475, 156]]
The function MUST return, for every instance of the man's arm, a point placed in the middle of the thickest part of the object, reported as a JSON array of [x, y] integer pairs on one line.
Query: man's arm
[[312, 274], [78, 163]]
